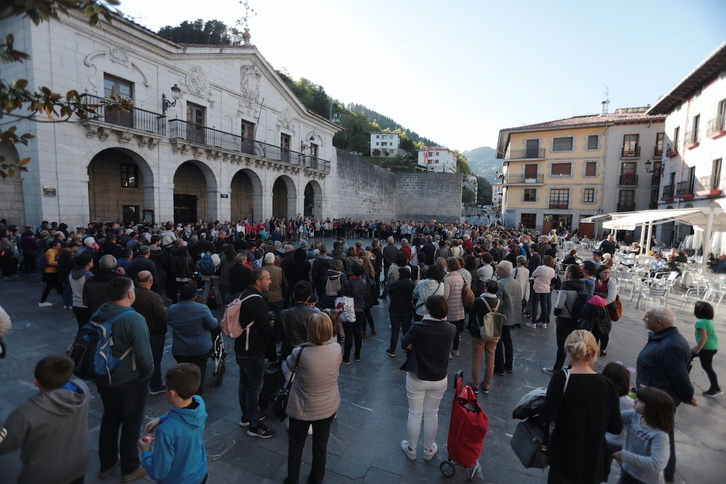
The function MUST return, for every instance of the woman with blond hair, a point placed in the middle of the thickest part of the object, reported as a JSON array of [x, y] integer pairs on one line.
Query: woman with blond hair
[[583, 405], [314, 397]]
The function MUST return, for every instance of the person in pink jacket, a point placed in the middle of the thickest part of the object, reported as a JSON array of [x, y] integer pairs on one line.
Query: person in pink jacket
[[453, 288], [542, 276]]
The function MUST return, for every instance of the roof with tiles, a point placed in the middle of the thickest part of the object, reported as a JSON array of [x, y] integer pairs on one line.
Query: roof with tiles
[[625, 115]]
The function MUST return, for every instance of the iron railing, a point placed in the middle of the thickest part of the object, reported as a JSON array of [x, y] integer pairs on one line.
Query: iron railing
[[136, 119], [209, 137], [716, 124], [523, 179], [684, 188], [629, 179], [626, 207], [691, 137], [711, 183], [657, 152], [526, 154], [668, 191], [630, 152]]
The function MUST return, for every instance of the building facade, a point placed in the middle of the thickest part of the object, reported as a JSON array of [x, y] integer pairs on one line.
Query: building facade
[[695, 144], [214, 133], [385, 144], [436, 158], [558, 172]]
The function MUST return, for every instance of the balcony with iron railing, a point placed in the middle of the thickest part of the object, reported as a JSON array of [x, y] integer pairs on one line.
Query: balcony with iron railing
[[526, 154], [716, 127], [524, 179], [709, 186], [626, 207], [668, 192], [684, 189], [691, 140], [135, 122], [657, 152], [628, 179], [654, 180], [630, 152], [183, 133]]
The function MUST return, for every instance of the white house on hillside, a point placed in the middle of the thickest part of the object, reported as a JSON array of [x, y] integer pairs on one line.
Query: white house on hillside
[[386, 143], [435, 158]]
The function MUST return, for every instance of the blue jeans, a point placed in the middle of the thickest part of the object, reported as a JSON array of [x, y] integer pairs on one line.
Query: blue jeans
[[251, 377], [123, 407], [157, 351], [544, 301], [398, 323]]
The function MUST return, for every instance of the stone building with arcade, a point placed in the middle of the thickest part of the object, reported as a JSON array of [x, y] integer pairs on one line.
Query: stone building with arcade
[[214, 133]]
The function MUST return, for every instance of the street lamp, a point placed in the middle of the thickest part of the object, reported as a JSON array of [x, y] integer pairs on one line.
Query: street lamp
[[175, 95], [656, 170]]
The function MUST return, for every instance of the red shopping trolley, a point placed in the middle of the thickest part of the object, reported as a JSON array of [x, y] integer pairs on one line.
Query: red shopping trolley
[[467, 429]]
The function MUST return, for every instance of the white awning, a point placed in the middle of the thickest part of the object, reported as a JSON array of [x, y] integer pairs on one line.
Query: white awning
[[606, 217], [656, 216]]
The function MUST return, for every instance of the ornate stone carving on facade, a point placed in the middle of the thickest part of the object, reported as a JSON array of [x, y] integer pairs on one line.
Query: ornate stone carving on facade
[[119, 56], [144, 80], [197, 82], [285, 120], [89, 62], [250, 77]]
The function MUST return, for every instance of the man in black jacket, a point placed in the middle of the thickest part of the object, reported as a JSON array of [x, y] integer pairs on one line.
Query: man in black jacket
[[293, 324], [250, 348]]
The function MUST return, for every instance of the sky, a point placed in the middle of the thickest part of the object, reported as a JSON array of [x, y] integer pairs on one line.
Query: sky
[[458, 71]]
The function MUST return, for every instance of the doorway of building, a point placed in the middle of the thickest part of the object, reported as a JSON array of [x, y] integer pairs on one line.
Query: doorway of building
[[185, 208], [555, 221]]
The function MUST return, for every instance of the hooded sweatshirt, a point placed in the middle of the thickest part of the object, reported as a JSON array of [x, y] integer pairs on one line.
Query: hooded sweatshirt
[[51, 431], [77, 280], [179, 455], [425, 289]]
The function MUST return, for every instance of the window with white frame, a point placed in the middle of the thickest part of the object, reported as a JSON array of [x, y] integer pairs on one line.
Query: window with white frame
[[588, 195]]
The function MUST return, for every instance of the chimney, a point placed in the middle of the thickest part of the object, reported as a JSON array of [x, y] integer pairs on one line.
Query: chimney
[[604, 108]]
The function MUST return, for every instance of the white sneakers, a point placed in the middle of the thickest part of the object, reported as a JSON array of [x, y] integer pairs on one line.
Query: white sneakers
[[46, 304], [411, 453]]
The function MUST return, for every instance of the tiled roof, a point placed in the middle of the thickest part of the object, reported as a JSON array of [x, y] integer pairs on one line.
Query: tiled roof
[[590, 120]]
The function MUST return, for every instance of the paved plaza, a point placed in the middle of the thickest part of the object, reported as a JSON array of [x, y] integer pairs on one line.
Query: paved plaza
[[364, 441]]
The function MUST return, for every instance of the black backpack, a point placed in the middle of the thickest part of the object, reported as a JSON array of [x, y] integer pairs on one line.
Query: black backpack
[[582, 297]]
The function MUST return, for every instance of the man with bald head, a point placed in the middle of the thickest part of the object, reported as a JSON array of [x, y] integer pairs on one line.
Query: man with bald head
[[150, 305], [142, 263], [663, 364]]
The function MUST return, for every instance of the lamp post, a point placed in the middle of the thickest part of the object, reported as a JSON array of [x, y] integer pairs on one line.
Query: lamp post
[[175, 95], [656, 170]]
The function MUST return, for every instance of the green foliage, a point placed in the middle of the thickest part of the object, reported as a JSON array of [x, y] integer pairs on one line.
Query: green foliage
[[462, 165], [211, 32], [15, 95], [484, 191], [467, 196]]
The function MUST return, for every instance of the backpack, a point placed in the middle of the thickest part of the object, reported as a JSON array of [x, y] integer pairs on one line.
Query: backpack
[[230, 324], [92, 350], [206, 264], [333, 285], [582, 297], [40, 261], [491, 324]]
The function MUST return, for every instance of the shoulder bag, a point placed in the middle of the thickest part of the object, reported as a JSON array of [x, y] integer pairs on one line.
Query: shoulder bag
[[615, 309], [279, 406], [531, 438]]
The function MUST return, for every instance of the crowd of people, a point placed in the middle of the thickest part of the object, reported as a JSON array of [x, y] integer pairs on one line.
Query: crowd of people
[[439, 281]]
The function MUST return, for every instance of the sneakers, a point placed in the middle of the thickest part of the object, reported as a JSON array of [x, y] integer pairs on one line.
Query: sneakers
[[346, 362], [134, 475], [45, 304], [391, 353], [549, 371], [261, 431], [712, 393], [542, 325], [530, 325], [499, 373], [157, 390], [411, 454], [485, 390], [474, 388], [454, 352], [107, 472], [246, 423], [429, 454]]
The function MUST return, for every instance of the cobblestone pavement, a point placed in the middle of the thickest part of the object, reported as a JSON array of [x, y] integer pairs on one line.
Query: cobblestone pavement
[[364, 443]]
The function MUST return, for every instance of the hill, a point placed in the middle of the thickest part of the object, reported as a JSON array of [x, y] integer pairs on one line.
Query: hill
[[483, 162]]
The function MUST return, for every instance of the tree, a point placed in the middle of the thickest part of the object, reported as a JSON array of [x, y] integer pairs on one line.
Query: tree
[[467, 196], [484, 191], [462, 165], [14, 95], [211, 32]]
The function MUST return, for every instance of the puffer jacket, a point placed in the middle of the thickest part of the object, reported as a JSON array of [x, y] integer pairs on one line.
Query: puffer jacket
[[453, 286], [314, 394], [425, 289]]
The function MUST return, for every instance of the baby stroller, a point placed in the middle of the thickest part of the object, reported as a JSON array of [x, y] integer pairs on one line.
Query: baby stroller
[[467, 429], [218, 355]]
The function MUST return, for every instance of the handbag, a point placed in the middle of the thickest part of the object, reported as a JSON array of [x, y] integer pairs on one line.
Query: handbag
[[615, 309], [531, 439], [279, 406], [467, 296]]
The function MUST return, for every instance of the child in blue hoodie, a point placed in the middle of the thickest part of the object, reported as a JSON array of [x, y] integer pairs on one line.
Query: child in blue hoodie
[[179, 455]]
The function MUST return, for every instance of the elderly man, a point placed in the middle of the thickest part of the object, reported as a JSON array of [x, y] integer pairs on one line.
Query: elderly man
[[510, 293], [663, 364], [150, 305]]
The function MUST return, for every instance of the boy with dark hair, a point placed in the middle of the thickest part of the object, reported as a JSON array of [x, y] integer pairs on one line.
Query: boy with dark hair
[[179, 455], [51, 428]]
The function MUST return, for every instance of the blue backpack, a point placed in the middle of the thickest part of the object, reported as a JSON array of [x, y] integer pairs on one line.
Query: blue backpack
[[206, 265], [92, 350]]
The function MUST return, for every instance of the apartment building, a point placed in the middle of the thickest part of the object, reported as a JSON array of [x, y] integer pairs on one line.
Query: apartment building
[[558, 172], [695, 143], [385, 144], [436, 158]]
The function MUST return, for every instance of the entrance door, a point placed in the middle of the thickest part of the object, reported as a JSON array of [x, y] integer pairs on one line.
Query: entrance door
[[130, 213], [195, 123], [185, 208]]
